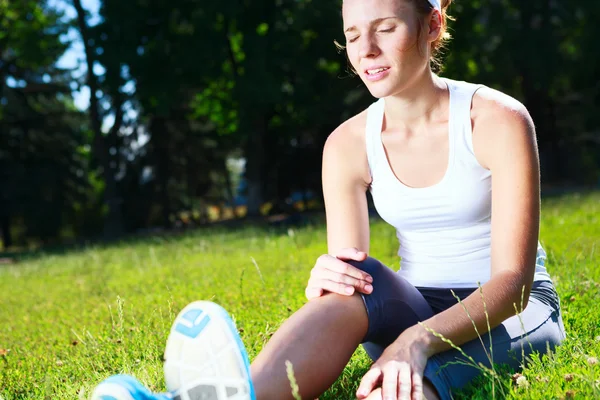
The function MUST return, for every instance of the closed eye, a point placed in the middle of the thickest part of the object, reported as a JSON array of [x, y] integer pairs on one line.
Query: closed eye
[[387, 30], [352, 39]]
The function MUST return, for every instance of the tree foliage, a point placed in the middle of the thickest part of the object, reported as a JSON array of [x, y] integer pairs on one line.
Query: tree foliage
[[186, 86], [43, 163]]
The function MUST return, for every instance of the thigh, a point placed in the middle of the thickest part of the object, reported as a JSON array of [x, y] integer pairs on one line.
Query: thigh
[[393, 306], [537, 329]]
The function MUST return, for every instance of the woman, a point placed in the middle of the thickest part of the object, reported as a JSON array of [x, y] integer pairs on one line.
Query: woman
[[427, 151]]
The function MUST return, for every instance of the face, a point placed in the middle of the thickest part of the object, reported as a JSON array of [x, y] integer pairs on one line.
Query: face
[[384, 45]]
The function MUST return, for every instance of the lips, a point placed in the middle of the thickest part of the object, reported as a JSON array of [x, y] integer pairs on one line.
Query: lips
[[376, 73], [376, 70]]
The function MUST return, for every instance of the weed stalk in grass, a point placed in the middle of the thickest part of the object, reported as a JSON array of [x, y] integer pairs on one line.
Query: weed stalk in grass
[[488, 371], [473, 322], [518, 313], [487, 322], [289, 368], [258, 270]]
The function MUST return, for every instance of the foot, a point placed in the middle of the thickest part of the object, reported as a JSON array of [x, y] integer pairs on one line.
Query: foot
[[125, 387], [205, 358]]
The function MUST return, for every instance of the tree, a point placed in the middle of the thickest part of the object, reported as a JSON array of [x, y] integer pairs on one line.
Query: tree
[[43, 173], [543, 53], [103, 145]]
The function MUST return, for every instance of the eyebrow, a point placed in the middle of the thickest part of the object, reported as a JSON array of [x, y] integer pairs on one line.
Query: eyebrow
[[374, 22]]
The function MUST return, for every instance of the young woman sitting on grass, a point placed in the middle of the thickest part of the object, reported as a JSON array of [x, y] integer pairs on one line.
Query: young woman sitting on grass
[[454, 168]]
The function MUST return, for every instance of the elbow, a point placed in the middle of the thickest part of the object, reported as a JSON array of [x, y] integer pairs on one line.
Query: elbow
[[521, 291]]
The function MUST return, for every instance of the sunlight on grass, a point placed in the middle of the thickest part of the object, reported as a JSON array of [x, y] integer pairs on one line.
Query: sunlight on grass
[[69, 321]]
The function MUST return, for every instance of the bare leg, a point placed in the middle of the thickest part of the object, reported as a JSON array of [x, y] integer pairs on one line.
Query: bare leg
[[318, 340]]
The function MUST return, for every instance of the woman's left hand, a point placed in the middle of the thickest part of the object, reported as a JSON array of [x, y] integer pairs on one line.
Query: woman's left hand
[[399, 371]]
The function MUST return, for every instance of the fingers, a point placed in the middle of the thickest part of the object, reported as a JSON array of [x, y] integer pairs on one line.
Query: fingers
[[313, 292], [334, 275], [397, 382], [368, 382], [404, 382], [417, 385], [341, 267], [351, 253], [389, 386], [375, 395], [331, 286], [321, 274]]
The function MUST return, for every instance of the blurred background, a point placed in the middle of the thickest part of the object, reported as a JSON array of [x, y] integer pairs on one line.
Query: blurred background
[[129, 116]]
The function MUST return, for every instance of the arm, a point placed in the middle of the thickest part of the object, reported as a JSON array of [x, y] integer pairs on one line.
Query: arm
[[505, 143], [345, 180]]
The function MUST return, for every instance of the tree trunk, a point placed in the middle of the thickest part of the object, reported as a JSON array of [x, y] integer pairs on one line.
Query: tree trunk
[[255, 158], [229, 188], [162, 150], [6, 236], [113, 224]]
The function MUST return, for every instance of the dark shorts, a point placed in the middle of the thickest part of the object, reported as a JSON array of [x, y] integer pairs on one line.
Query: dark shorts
[[395, 305]]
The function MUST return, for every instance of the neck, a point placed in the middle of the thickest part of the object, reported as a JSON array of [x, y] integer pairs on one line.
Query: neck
[[417, 103]]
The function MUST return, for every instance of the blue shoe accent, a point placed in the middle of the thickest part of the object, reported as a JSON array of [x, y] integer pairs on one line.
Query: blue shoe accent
[[196, 326], [118, 386], [241, 346]]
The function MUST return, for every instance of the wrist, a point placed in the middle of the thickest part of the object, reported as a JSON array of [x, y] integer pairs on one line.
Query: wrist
[[421, 339]]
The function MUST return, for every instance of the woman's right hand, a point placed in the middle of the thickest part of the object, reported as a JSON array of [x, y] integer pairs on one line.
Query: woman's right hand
[[334, 275]]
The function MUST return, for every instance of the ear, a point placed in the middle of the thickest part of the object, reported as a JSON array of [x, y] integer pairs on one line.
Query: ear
[[435, 25]]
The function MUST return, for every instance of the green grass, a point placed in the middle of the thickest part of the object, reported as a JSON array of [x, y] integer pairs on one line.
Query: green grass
[[71, 320]]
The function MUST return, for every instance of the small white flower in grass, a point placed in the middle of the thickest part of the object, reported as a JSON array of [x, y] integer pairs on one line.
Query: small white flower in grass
[[598, 338], [592, 360], [522, 382], [59, 363]]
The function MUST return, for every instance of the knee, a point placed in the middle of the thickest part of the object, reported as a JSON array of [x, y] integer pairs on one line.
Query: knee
[[369, 265], [374, 268]]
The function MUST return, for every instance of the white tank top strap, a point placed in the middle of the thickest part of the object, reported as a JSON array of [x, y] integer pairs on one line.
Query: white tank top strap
[[373, 133], [460, 107]]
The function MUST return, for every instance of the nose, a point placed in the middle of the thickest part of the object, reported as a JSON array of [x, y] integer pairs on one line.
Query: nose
[[368, 47]]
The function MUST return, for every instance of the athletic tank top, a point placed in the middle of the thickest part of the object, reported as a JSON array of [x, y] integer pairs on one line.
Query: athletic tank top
[[444, 230]]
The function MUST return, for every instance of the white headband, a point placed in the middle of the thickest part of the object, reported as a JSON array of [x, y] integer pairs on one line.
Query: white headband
[[436, 4]]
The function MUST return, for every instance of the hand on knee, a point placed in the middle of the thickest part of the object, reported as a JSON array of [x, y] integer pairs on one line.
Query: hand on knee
[[337, 275]]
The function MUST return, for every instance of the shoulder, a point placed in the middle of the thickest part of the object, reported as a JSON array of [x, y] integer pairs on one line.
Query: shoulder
[[345, 148], [348, 136], [499, 122], [491, 105]]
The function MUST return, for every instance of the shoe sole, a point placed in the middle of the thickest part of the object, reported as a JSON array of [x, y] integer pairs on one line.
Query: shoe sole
[[205, 358]]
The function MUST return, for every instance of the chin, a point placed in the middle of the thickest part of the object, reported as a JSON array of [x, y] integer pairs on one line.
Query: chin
[[380, 89]]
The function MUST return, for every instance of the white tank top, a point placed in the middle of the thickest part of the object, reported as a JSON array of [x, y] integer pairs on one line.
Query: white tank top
[[445, 229]]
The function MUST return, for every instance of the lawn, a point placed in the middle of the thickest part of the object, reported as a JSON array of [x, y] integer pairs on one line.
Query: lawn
[[68, 321]]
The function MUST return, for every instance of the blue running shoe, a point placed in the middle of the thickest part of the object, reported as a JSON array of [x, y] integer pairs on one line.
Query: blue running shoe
[[125, 387], [205, 358]]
